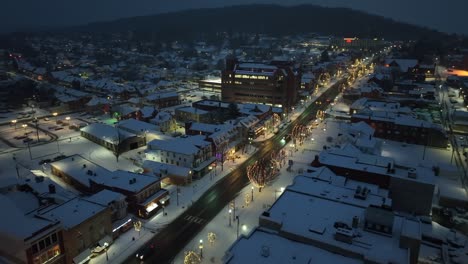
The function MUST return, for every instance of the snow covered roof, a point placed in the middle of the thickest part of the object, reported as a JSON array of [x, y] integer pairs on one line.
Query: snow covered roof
[[253, 109], [313, 219], [266, 247], [190, 109], [189, 146], [374, 164], [15, 223], [249, 121], [163, 169], [72, 213], [85, 171], [404, 64], [105, 197], [135, 126], [97, 101], [106, 132], [157, 96]]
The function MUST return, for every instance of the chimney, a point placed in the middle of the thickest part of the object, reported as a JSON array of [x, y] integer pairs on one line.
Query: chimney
[[51, 188], [316, 162], [355, 222]]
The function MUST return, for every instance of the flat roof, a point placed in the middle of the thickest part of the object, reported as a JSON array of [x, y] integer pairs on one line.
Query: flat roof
[[107, 133], [15, 223], [264, 247], [374, 164], [136, 125], [301, 214], [72, 213], [83, 170]]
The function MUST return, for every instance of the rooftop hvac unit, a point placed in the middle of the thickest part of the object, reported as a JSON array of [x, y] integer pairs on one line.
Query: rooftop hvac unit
[[344, 235], [412, 173]]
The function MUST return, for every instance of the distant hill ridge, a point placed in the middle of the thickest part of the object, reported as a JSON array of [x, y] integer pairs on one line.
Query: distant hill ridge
[[272, 19]]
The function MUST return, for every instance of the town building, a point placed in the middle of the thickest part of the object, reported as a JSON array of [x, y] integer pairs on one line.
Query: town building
[[276, 84], [27, 238], [86, 225], [169, 173], [338, 218], [189, 113], [114, 139], [143, 193], [402, 127], [365, 44], [192, 152], [402, 181]]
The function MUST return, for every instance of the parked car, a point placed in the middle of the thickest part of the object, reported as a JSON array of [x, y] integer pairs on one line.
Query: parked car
[[58, 128], [44, 161], [59, 157], [20, 137], [26, 140], [144, 252]]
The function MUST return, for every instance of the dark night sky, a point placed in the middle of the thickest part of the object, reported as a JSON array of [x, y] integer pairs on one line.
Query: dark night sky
[[444, 15]]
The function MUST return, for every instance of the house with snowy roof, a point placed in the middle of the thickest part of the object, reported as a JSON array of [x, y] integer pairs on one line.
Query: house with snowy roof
[[163, 99], [143, 193], [192, 152], [224, 138], [189, 113], [165, 121]]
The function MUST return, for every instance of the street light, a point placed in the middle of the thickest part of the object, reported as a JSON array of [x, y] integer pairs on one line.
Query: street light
[[106, 245], [252, 188], [14, 122], [237, 218], [230, 212], [67, 118], [163, 202], [200, 246]]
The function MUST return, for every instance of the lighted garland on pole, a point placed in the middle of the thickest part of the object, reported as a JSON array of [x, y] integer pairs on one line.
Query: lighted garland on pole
[[262, 172]]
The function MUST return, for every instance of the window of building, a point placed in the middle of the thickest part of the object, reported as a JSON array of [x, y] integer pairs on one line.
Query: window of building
[[47, 241], [34, 249], [41, 245], [54, 237]]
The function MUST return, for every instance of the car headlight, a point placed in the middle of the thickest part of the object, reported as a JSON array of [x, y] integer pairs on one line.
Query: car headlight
[[137, 255], [141, 257]]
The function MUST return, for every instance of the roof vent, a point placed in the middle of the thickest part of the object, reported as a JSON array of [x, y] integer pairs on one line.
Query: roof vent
[[265, 252]]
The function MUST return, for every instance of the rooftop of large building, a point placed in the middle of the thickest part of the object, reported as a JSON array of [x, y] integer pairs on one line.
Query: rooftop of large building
[[321, 215], [84, 171]]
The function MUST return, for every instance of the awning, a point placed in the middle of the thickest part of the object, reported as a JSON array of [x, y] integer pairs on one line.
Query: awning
[[159, 194], [83, 257], [204, 164], [165, 199], [105, 240]]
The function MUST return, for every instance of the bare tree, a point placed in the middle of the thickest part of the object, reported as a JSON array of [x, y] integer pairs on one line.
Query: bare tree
[[262, 172], [117, 145]]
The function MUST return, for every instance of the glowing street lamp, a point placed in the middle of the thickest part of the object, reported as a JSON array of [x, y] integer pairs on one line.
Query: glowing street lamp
[[252, 188], [230, 212], [163, 202], [14, 122], [200, 246], [67, 118]]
